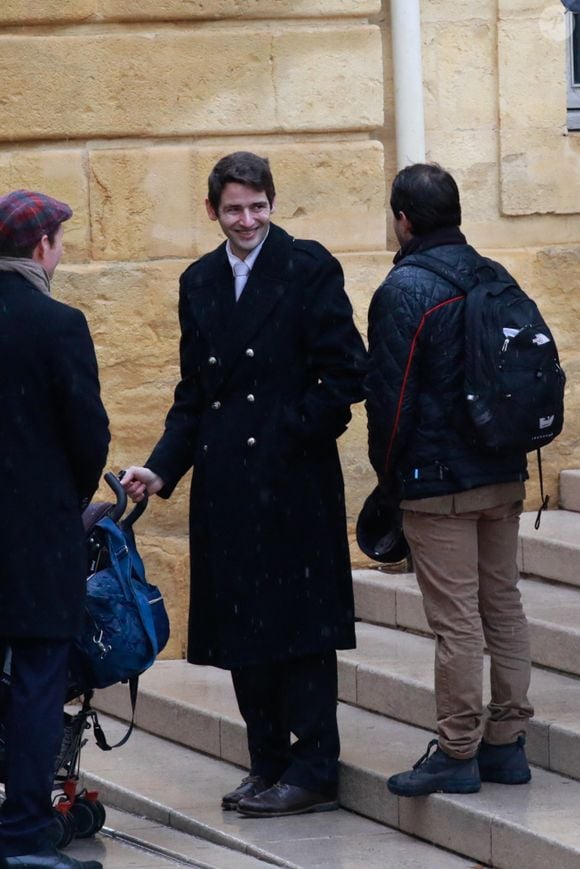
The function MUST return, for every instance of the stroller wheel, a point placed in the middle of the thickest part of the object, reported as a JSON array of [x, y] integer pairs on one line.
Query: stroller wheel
[[88, 817], [99, 810], [63, 829]]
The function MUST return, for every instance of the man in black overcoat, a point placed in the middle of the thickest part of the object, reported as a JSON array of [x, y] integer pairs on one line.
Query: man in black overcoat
[[54, 439], [270, 364]]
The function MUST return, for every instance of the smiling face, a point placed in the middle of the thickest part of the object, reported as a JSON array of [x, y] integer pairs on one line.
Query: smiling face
[[244, 215]]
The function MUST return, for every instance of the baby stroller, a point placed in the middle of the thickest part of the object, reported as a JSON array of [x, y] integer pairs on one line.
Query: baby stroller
[[78, 812]]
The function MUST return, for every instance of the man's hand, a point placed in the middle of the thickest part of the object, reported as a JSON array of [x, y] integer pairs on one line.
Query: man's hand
[[136, 481]]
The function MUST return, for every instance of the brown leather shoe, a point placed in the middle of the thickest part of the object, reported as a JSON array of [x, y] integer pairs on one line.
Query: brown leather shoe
[[250, 786], [284, 799]]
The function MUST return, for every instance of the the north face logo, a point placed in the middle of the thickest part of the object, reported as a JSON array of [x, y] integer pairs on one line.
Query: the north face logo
[[546, 421]]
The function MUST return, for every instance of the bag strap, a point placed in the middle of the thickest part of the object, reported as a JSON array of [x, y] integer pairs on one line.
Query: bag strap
[[124, 547], [100, 737], [441, 269], [136, 575], [129, 568], [118, 553], [494, 275], [545, 499], [138, 568]]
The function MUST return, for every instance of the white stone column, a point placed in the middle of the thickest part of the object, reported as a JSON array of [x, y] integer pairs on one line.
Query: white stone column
[[408, 81]]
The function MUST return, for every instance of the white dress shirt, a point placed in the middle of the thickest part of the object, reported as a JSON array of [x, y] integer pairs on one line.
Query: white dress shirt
[[242, 267]]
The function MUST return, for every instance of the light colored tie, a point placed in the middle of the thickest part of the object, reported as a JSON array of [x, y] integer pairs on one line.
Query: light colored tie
[[241, 272]]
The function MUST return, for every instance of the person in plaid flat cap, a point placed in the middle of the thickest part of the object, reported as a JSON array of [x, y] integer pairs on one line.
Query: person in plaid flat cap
[[54, 439]]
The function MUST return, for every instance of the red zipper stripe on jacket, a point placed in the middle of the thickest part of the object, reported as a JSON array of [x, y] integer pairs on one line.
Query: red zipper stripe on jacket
[[408, 368]]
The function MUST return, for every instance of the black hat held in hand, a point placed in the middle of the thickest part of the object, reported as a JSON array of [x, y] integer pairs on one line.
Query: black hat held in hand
[[379, 529]]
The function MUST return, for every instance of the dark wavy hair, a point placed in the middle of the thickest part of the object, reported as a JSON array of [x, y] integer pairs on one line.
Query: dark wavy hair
[[12, 250], [428, 195], [241, 167]]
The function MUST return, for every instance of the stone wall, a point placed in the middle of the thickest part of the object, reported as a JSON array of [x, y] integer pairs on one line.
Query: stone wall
[[495, 91], [121, 107]]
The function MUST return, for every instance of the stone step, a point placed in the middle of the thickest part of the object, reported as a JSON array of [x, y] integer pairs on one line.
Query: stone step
[[553, 551], [391, 672], [131, 841], [553, 612], [570, 490], [506, 827], [181, 790]]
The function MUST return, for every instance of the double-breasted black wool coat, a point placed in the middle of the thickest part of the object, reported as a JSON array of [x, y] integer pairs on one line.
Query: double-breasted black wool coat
[[54, 438], [266, 389]]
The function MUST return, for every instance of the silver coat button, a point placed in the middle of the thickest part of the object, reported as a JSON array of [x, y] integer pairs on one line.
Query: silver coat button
[[212, 360], [250, 397], [249, 352], [205, 448], [216, 405], [251, 442]]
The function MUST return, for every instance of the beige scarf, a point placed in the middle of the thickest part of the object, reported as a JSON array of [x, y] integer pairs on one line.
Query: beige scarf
[[32, 271]]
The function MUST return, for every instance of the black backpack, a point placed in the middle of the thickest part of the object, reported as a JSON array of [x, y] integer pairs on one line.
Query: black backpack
[[513, 383]]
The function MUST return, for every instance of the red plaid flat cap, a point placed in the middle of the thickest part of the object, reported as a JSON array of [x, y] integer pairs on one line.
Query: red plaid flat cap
[[26, 216]]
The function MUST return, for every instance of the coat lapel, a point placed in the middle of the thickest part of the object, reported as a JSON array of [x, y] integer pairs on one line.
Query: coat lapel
[[229, 325], [266, 285], [211, 295]]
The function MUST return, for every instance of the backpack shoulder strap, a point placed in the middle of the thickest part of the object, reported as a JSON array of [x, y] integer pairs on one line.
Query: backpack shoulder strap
[[438, 267], [488, 273]]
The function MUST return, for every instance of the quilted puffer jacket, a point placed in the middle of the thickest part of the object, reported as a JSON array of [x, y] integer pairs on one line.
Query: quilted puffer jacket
[[421, 442]]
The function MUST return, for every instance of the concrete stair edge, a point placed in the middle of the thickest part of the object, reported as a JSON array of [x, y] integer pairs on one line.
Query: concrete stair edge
[[458, 824], [369, 685], [377, 685], [552, 551], [127, 800], [180, 785], [570, 490], [393, 601]]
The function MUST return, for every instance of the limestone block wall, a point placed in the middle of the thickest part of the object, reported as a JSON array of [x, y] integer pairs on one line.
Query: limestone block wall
[[121, 107], [495, 102]]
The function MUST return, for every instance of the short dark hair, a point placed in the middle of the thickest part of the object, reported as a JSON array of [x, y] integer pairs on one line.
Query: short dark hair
[[26, 252], [241, 167], [428, 196]]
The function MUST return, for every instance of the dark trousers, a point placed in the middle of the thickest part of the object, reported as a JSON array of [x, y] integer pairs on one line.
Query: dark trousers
[[297, 697], [31, 710]]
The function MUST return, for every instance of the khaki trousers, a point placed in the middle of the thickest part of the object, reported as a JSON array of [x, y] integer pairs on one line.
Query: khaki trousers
[[466, 570]]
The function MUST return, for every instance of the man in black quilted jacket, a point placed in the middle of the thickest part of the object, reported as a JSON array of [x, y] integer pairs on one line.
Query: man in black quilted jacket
[[460, 505]]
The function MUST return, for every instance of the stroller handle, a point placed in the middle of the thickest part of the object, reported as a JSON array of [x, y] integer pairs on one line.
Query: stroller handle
[[121, 505], [137, 511], [113, 483]]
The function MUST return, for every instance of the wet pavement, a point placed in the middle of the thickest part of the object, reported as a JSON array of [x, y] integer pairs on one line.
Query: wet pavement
[[131, 842]]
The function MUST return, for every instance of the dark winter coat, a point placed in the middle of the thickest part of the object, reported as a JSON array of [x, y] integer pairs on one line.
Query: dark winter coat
[[53, 446], [265, 392], [421, 442]]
